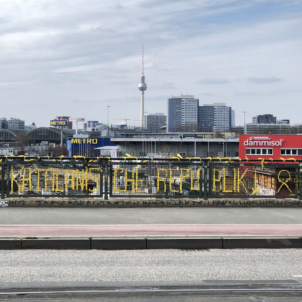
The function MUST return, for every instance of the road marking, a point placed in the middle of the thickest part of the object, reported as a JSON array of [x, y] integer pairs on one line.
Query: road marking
[[297, 276]]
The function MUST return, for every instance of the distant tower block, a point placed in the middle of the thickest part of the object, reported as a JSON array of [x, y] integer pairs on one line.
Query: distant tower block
[[142, 87]]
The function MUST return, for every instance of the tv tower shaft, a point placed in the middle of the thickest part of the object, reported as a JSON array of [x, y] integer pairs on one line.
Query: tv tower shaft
[[142, 87]]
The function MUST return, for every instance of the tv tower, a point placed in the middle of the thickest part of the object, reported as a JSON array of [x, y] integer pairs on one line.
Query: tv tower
[[142, 87]]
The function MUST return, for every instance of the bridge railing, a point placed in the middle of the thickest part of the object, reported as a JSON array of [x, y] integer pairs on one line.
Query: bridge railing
[[130, 177]]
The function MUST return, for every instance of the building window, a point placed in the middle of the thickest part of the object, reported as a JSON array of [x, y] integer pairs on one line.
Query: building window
[[291, 151], [257, 151]]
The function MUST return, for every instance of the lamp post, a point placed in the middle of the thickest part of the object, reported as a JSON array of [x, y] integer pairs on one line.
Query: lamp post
[[244, 112], [108, 122]]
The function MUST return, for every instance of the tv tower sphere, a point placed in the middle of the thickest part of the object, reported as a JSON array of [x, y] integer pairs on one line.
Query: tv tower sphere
[[142, 86]]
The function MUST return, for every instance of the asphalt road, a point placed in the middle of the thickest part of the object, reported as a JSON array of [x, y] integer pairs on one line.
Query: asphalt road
[[83, 270], [122, 216], [149, 265]]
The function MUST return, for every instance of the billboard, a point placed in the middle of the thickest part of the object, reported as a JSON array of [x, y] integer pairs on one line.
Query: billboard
[[76, 119], [56, 123]]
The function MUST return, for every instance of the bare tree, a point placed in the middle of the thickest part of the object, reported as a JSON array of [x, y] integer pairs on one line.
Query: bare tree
[[22, 140]]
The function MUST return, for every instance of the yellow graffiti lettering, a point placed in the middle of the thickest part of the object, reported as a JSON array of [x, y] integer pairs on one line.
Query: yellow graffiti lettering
[[81, 179], [38, 178], [13, 179], [255, 189], [52, 179], [235, 173], [132, 180], [24, 179], [172, 180], [138, 180], [69, 179], [284, 181], [224, 184], [115, 189], [182, 176], [95, 178], [197, 181], [218, 179], [162, 179], [57, 182], [239, 180]]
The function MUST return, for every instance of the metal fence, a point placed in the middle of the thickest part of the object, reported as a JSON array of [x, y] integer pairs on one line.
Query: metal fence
[[131, 177]]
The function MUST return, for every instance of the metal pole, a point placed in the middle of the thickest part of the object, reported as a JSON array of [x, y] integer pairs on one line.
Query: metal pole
[[244, 112], [108, 122], [195, 148], [208, 148], [61, 137], [226, 147]]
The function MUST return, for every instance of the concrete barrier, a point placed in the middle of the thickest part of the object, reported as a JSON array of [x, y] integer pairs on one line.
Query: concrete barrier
[[261, 243], [118, 243], [184, 243], [57, 243], [10, 244], [122, 202]]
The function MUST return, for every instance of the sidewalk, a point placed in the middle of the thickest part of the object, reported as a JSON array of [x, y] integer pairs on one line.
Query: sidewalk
[[119, 237], [150, 230]]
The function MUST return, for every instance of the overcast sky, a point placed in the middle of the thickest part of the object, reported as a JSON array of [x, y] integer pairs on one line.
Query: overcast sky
[[76, 57]]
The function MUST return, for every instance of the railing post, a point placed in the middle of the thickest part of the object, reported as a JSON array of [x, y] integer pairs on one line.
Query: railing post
[[3, 184], [106, 182], [205, 181], [201, 180], [101, 178], [300, 181]]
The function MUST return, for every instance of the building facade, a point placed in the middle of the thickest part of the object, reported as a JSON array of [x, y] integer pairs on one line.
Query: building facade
[[16, 124], [264, 119], [270, 146], [154, 122], [215, 117], [182, 113], [3, 123]]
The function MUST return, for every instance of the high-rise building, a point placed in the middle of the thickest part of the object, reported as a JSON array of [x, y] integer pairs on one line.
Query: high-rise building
[[233, 118], [222, 118], [30, 127], [16, 124], [3, 123], [264, 119], [182, 114], [153, 122], [215, 117], [206, 118]]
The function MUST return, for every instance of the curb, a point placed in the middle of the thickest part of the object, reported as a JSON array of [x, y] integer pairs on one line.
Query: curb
[[128, 243]]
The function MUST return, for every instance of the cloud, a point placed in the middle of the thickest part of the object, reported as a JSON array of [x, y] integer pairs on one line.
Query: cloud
[[62, 51], [166, 86], [263, 80], [213, 81]]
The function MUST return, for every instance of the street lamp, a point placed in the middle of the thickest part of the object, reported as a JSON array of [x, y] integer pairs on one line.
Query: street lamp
[[108, 122], [244, 112]]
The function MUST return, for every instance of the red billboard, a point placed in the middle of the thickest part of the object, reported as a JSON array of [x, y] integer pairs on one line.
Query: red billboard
[[270, 146]]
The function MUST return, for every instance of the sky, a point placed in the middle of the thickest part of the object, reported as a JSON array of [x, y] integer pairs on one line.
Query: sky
[[75, 58]]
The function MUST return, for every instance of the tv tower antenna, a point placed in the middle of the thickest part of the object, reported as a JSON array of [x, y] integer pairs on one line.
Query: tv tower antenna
[[142, 87], [143, 60]]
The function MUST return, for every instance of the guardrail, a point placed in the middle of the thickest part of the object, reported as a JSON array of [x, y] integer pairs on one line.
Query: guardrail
[[132, 177]]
